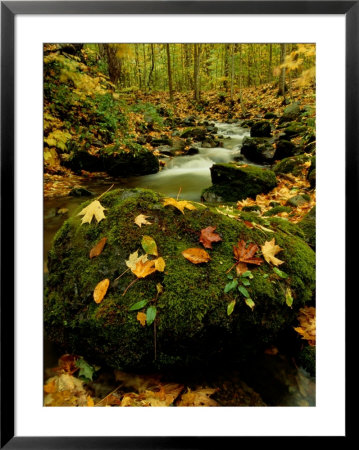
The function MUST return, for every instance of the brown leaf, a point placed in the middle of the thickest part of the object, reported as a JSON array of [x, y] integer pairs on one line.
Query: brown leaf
[[246, 255], [141, 317], [67, 364], [208, 236], [196, 255], [198, 397], [241, 268], [269, 250], [142, 270], [100, 290], [97, 250]]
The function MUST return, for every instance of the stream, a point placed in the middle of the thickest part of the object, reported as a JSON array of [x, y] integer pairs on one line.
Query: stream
[[279, 381]]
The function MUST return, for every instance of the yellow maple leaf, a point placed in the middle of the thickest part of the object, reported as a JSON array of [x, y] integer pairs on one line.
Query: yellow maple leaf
[[94, 209], [198, 397], [141, 317], [141, 220], [142, 270], [269, 250], [134, 259], [181, 205]]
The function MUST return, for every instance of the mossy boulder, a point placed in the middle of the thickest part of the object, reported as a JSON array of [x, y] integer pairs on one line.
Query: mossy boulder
[[294, 129], [278, 210], [261, 129], [284, 149], [232, 182], [192, 325], [308, 225], [197, 134], [291, 112], [293, 165], [125, 164], [259, 150]]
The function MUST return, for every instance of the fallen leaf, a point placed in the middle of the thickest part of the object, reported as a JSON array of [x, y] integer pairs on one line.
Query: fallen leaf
[[149, 245], [288, 297], [90, 401], [50, 387], [246, 255], [141, 220], [134, 259], [142, 270], [67, 364], [208, 236], [249, 302], [100, 290], [65, 390], [196, 255], [198, 397], [181, 205], [307, 324], [141, 317], [97, 250], [160, 264], [241, 268], [94, 209], [269, 250]]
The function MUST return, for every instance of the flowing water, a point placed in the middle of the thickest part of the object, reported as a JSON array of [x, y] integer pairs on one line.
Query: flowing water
[[190, 175]]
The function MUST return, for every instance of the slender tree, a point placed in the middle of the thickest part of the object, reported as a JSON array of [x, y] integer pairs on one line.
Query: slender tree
[[169, 71]]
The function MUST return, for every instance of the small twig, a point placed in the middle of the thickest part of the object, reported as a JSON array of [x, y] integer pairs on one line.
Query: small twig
[[179, 192], [128, 287], [98, 198], [123, 273], [118, 387], [231, 268]]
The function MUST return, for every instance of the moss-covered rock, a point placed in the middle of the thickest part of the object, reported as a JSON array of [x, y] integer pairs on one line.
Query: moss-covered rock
[[307, 359], [127, 164], [192, 325], [232, 182], [261, 129], [294, 129], [308, 225], [298, 200], [284, 149], [292, 165]]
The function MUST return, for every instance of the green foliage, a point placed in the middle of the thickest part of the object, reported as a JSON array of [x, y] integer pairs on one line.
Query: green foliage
[[86, 371]]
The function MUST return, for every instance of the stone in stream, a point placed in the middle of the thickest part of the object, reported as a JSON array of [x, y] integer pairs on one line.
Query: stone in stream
[[261, 129], [259, 150], [198, 134], [192, 326], [233, 182], [80, 192]]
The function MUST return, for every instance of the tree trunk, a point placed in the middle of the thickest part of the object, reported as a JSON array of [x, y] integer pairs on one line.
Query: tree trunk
[[196, 71], [270, 70], [169, 72], [281, 90], [152, 66]]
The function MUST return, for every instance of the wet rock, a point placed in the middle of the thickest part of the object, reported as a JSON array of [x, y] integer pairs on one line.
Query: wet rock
[[284, 149], [270, 115], [261, 129], [197, 134], [82, 160], [164, 140], [259, 150], [232, 182], [129, 164], [293, 165], [80, 192]]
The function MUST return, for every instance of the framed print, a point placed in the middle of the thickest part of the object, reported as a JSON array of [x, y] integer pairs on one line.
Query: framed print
[[167, 229]]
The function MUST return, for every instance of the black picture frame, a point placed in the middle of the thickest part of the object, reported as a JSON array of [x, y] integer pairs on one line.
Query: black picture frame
[[9, 10]]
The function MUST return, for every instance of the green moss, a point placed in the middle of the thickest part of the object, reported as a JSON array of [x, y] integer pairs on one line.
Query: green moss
[[277, 210], [232, 182], [307, 359], [192, 323], [293, 165], [308, 226]]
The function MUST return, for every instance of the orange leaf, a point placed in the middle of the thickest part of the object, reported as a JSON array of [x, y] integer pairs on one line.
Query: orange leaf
[[141, 317], [241, 268], [97, 250], [246, 255], [208, 236], [100, 290], [67, 364], [142, 270], [196, 255], [50, 387]]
